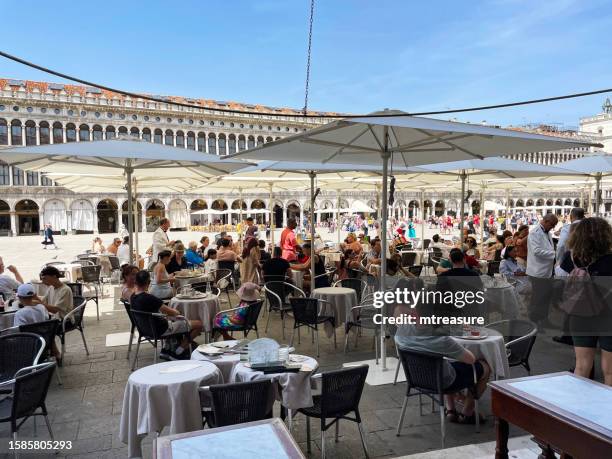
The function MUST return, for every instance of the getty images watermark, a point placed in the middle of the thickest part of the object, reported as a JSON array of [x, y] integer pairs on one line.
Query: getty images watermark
[[412, 298]]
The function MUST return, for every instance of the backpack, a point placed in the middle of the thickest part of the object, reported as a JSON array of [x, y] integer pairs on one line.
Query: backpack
[[581, 296]]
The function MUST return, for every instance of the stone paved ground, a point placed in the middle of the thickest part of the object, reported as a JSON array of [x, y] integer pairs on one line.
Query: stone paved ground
[[87, 408]]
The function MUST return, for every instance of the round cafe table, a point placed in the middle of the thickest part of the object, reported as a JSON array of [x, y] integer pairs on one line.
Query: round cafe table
[[225, 362], [182, 281], [491, 349], [164, 395], [201, 308], [341, 301]]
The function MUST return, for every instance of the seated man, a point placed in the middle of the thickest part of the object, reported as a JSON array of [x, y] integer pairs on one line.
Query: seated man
[[58, 299], [457, 374], [321, 280], [8, 284], [265, 255], [31, 310], [468, 262], [176, 324], [112, 248], [276, 268]]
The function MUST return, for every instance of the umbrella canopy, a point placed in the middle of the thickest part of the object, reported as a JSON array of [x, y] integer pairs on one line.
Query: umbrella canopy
[[408, 140], [133, 157], [596, 166]]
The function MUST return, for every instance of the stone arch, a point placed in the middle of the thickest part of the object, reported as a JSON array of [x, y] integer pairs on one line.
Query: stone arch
[[107, 216], [28, 220], [155, 210], [439, 208], [137, 221], [178, 215], [54, 213], [82, 220]]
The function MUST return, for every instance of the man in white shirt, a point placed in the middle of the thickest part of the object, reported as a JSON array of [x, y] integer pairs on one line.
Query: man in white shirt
[[8, 285], [123, 252], [31, 310], [161, 241], [576, 214], [540, 263]]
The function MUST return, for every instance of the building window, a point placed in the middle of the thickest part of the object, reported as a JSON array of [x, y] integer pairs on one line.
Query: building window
[[169, 137], [158, 136], [32, 178], [70, 132], [135, 132], [45, 181], [30, 128], [5, 177], [212, 145], [221, 144], [191, 141], [180, 139], [16, 136], [241, 143], [201, 142], [17, 176], [3, 132], [251, 142], [58, 133], [122, 131], [146, 134], [84, 133], [110, 133], [97, 132], [43, 127], [231, 145]]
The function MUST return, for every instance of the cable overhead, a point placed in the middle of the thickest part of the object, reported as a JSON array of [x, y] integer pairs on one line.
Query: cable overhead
[[302, 115], [312, 4]]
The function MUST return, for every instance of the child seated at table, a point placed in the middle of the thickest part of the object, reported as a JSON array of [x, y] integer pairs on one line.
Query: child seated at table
[[234, 319]]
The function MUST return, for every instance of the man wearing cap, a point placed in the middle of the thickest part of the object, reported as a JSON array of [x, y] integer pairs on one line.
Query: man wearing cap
[[31, 310], [8, 284], [58, 299]]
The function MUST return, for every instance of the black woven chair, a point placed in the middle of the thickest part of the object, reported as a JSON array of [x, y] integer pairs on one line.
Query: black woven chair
[[340, 395], [277, 296], [148, 325], [29, 391], [240, 402], [360, 286], [73, 321], [362, 318], [17, 351], [492, 268], [416, 270], [47, 330], [306, 313], [231, 267], [426, 243], [203, 286], [519, 337], [91, 277], [224, 279], [126, 305], [408, 259], [424, 375], [250, 322]]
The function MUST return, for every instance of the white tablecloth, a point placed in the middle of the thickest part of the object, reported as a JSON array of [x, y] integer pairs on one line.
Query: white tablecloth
[[225, 363], [298, 278], [182, 281], [342, 300], [501, 297], [203, 309], [492, 349], [293, 390], [154, 400]]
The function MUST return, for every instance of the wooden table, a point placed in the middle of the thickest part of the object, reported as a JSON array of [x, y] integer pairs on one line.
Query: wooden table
[[565, 413], [268, 438]]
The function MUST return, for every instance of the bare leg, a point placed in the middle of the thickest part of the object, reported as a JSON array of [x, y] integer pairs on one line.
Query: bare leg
[[606, 366], [584, 360]]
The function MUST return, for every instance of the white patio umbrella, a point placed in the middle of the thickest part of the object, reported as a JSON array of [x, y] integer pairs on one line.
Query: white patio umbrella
[[125, 155], [411, 141]]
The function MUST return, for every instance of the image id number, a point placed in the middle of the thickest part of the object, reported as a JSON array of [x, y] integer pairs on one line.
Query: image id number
[[39, 444]]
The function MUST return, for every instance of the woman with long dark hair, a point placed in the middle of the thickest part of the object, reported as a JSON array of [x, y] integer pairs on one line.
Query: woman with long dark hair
[[250, 260]]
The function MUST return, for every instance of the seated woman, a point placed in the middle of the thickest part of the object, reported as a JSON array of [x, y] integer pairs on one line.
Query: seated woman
[[128, 279], [97, 246], [458, 374], [320, 279], [509, 266], [472, 247], [493, 249], [177, 260], [161, 284], [348, 261], [234, 319], [192, 256]]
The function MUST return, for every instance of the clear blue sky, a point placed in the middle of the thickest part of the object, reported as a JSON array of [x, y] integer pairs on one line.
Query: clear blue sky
[[367, 55]]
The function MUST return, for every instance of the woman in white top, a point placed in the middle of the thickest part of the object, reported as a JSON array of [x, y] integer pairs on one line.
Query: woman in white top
[[161, 284]]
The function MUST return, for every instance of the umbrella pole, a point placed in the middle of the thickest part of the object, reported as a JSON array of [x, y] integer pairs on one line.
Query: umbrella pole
[[507, 208], [462, 206], [128, 172], [338, 216], [385, 155], [589, 194], [597, 193], [482, 215], [312, 176], [271, 221], [136, 219], [422, 218]]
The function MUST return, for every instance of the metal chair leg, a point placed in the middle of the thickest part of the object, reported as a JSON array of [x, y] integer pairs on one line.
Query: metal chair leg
[[84, 342], [308, 448], [130, 343], [155, 353], [401, 419], [292, 335], [420, 405], [268, 322], [337, 429], [363, 440], [316, 335], [346, 337], [335, 342], [136, 355], [442, 420], [48, 426], [477, 414], [397, 368], [322, 444]]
